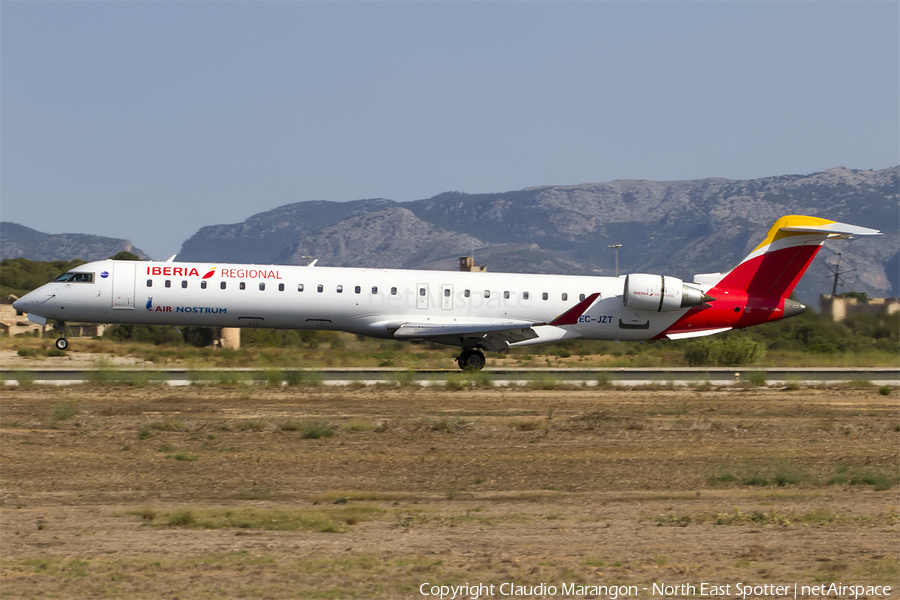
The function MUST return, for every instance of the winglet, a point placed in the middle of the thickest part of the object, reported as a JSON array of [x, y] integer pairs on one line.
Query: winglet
[[570, 317]]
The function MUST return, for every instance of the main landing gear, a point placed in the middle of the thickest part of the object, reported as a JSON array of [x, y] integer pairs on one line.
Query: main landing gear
[[471, 360]]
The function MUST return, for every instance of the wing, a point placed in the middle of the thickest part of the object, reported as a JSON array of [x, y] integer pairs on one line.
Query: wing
[[494, 336], [490, 334]]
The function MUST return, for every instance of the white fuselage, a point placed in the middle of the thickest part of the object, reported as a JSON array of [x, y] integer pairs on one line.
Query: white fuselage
[[370, 302]]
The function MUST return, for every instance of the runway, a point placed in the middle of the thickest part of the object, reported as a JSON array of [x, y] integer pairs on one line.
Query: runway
[[718, 376]]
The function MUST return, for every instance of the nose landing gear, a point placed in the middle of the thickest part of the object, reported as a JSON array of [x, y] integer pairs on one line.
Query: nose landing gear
[[62, 343], [471, 360]]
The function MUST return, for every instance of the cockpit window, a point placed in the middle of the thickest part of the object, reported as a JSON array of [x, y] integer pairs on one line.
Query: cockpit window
[[73, 277]]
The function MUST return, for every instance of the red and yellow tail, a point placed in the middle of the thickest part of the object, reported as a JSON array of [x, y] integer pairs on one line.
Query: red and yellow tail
[[757, 289], [776, 265]]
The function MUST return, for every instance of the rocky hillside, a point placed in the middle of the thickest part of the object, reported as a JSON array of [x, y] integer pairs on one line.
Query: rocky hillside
[[20, 241], [676, 228]]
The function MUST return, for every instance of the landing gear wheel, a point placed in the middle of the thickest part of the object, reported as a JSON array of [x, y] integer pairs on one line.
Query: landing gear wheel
[[471, 360], [62, 343]]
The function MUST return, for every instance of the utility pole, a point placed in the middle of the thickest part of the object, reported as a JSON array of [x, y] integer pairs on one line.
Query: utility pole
[[836, 273], [616, 248]]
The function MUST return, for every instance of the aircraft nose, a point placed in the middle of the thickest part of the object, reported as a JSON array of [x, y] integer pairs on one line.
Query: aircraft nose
[[34, 306]]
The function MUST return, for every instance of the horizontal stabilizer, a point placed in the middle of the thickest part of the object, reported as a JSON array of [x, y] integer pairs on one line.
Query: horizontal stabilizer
[[836, 229]]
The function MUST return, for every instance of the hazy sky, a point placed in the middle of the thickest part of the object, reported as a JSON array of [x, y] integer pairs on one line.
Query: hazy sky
[[149, 120]]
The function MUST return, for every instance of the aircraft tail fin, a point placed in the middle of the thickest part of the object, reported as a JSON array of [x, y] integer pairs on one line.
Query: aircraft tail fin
[[776, 265]]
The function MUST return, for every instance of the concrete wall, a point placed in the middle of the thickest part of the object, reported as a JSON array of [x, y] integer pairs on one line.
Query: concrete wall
[[838, 309]]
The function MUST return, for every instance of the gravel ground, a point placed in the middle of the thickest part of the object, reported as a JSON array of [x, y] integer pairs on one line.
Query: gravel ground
[[111, 491]]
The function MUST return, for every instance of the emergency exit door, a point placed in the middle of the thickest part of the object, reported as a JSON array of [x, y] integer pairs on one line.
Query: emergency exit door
[[422, 295], [123, 284]]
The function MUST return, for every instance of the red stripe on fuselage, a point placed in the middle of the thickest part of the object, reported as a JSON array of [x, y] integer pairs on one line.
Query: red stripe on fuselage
[[752, 293], [732, 308]]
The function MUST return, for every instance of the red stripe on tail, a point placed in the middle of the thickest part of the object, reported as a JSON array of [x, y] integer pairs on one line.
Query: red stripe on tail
[[775, 273]]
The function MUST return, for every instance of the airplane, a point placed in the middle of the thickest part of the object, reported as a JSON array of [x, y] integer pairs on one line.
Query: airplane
[[475, 311]]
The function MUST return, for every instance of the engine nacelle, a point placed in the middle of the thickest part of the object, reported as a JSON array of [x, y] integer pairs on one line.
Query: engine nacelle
[[660, 293]]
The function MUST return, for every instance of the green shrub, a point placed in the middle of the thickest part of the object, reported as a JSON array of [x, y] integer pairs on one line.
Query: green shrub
[[314, 430], [184, 456], [880, 480], [153, 334], [294, 378], [274, 377], [181, 518], [604, 379], [756, 378], [542, 381], [63, 409], [725, 351]]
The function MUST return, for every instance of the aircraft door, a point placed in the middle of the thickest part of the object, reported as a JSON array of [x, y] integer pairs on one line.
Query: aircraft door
[[123, 284], [447, 297], [422, 295]]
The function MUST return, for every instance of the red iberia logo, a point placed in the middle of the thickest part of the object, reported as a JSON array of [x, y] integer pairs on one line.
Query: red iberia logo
[[173, 271], [223, 272]]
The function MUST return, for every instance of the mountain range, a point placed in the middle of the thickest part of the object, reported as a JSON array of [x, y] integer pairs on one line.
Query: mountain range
[[18, 241], [675, 228]]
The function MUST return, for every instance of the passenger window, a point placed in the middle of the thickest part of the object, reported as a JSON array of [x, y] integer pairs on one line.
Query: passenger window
[[487, 293], [393, 291], [506, 295], [357, 289], [320, 288], [243, 286], [222, 285], [149, 283], [525, 295], [299, 287], [565, 297], [262, 287], [544, 296], [280, 287], [467, 293], [184, 284], [374, 289], [581, 297], [168, 283], [202, 285], [340, 289]]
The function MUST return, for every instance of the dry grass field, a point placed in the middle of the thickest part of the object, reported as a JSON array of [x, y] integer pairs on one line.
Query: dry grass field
[[249, 491]]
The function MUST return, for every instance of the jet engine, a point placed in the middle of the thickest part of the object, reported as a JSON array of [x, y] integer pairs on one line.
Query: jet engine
[[660, 293]]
